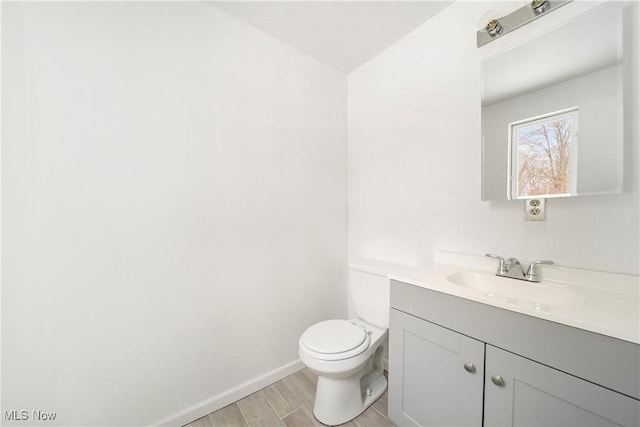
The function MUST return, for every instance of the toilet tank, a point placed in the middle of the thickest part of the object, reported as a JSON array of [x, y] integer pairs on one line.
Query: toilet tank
[[369, 290]]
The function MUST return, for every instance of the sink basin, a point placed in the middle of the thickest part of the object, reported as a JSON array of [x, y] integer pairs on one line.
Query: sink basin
[[544, 295]]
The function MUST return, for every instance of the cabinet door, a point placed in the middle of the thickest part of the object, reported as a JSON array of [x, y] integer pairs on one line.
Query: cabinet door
[[428, 382], [536, 395]]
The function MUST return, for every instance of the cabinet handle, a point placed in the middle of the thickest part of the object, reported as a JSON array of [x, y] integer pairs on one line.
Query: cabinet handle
[[470, 368], [497, 380]]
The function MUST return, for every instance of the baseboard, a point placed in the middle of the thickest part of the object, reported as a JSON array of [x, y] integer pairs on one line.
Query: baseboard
[[223, 399]]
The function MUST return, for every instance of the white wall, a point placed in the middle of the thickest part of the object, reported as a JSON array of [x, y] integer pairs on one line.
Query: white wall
[[414, 158], [173, 192]]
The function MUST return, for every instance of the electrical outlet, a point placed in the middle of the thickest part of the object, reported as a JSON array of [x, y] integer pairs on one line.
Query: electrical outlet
[[534, 209]]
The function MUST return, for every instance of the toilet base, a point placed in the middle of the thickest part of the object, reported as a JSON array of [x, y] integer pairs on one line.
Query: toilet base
[[341, 400]]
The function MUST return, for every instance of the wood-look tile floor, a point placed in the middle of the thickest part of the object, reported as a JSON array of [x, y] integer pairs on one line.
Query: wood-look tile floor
[[287, 403]]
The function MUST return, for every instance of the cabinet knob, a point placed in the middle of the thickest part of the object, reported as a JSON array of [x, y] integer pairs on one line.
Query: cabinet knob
[[497, 380], [469, 367]]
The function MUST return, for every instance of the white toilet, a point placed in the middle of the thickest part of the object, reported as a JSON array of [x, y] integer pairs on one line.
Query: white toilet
[[347, 355]]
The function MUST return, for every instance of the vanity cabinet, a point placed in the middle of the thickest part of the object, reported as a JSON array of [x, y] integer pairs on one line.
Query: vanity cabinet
[[457, 362], [531, 394], [437, 375]]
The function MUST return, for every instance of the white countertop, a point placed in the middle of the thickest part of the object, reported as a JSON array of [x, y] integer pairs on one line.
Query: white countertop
[[607, 303]]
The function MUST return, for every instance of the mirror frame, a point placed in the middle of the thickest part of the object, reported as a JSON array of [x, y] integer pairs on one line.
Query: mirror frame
[[614, 182]]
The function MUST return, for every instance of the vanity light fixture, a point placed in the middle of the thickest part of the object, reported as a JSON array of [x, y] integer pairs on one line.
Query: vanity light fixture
[[493, 27], [498, 27], [540, 6]]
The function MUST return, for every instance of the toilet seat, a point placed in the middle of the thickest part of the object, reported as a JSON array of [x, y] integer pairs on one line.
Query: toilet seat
[[334, 340]]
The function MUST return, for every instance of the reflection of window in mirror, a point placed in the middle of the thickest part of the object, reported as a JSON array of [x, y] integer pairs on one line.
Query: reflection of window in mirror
[[543, 155]]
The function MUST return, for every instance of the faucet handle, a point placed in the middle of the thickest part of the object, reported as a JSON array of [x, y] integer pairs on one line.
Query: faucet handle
[[502, 269], [533, 272]]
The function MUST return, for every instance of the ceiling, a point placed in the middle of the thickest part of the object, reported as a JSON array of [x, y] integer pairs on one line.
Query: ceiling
[[343, 34]]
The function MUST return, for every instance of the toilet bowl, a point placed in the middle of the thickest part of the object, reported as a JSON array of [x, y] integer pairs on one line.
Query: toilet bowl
[[347, 355]]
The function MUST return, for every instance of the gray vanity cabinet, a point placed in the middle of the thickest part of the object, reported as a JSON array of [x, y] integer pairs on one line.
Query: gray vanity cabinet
[[530, 394], [526, 371], [437, 374]]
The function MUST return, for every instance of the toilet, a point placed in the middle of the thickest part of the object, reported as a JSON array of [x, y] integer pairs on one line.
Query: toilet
[[347, 355]]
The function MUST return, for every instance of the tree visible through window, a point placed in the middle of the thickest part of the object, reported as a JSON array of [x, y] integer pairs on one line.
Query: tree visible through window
[[544, 155]]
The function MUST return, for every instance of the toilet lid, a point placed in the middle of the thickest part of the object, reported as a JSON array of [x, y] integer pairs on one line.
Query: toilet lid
[[333, 336]]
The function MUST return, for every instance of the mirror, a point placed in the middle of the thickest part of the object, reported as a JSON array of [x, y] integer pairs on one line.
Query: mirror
[[552, 111]]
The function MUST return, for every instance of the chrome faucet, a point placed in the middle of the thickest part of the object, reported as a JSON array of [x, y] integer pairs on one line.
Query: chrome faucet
[[512, 268]]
